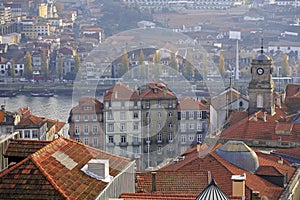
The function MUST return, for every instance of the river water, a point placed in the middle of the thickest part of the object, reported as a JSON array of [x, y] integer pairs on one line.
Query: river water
[[57, 107]]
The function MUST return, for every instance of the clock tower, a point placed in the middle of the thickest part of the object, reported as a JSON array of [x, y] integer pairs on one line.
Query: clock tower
[[261, 86]]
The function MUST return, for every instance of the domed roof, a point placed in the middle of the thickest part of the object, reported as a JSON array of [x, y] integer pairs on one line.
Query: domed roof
[[240, 155], [263, 57]]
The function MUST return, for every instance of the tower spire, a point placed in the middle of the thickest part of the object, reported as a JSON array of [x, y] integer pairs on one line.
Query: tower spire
[[262, 46]]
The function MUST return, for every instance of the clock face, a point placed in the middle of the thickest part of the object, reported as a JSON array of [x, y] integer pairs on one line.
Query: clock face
[[260, 71]]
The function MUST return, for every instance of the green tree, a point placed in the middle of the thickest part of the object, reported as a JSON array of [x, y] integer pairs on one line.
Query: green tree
[[124, 66], [142, 68], [44, 65], [28, 66], [173, 62], [188, 70], [285, 66], [60, 68], [221, 65], [13, 70], [157, 70]]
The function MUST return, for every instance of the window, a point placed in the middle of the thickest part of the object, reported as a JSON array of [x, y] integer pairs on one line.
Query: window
[[159, 150], [159, 137], [147, 114], [27, 134], [135, 115], [86, 117], [182, 115], [110, 127], [191, 138], [170, 114], [123, 126], [20, 134], [86, 141], [199, 127], [260, 101], [123, 138], [95, 142], [136, 126], [199, 115], [86, 130], [110, 139], [182, 127], [170, 103], [191, 126], [122, 115], [183, 139], [199, 137], [158, 103], [77, 130], [122, 104], [148, 149], [94, 117], [170, 137], [77, 139], [135, 139], [191, 115], [109, 104], [135, 104], [110, 116], [95, 129], [34, 134], [170, 125], [159, 114], [148, 104], [159, 125], [136, 150], [77, 118]]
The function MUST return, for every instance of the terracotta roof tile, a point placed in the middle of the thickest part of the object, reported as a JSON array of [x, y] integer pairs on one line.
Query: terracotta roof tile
[[294, 152], [120, 92], [268, 171], [24, 148], [66, 180], [188, 103], [134, 196]]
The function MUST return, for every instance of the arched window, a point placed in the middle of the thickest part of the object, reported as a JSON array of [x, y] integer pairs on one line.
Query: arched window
[[260, 101]]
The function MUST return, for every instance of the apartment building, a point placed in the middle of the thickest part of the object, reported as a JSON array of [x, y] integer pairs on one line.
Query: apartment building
[[85, 121], [122, 111], [193, 123], [159, 111]]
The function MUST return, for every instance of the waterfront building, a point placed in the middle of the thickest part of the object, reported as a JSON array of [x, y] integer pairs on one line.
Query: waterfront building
[[123, 128], [192, 124], [86, 122]]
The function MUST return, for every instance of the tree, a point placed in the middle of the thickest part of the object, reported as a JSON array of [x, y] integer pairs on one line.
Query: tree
[[60, 68], [28, 66], [221, 65], [13, 70], [142, 68], [285, 66], [188, 70], [124, 66], [173, 62], [44, 65]]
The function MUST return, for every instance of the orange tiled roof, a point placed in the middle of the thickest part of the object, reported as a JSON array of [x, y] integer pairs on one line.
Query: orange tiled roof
[[24, 148], [41, 174], [120, 92], [188, 103], [268, 171], [170, 182], [221, 170], [292, 99], [294, 152], [58, 125], [31, 120], [157, 90], [135, 196], [88, 101]]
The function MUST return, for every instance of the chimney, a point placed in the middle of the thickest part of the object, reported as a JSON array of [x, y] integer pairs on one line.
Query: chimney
[[265, 116], [255, 195], [255, 117], [98, 169], [153, 181], [238, 185], [278, 102], [3, 107], [198, 147], [280, 161]]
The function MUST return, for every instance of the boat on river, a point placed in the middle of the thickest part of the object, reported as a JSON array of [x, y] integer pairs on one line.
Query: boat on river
[[8, 93], [42, 94]]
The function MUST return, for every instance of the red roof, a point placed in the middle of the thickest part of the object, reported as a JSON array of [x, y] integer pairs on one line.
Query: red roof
[[42, 175], [97, 106], [188, 103], [221, 170], [120, 92], [157, 90], [294, 152], [24, 148], [292, 99], [135, 196]]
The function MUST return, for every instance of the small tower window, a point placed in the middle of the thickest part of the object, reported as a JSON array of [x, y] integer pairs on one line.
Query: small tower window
[[260, 101]]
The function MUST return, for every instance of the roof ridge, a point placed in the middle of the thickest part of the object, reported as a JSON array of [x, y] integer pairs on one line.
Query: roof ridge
[[7, 170], [48, 176]]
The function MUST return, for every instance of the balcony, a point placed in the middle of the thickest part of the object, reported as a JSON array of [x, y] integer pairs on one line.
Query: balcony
[[136, 143], [147, 141], [110, 144], [159, 141], [123, 144]]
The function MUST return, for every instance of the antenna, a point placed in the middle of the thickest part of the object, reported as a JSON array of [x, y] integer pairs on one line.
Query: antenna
[[262, 46]]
